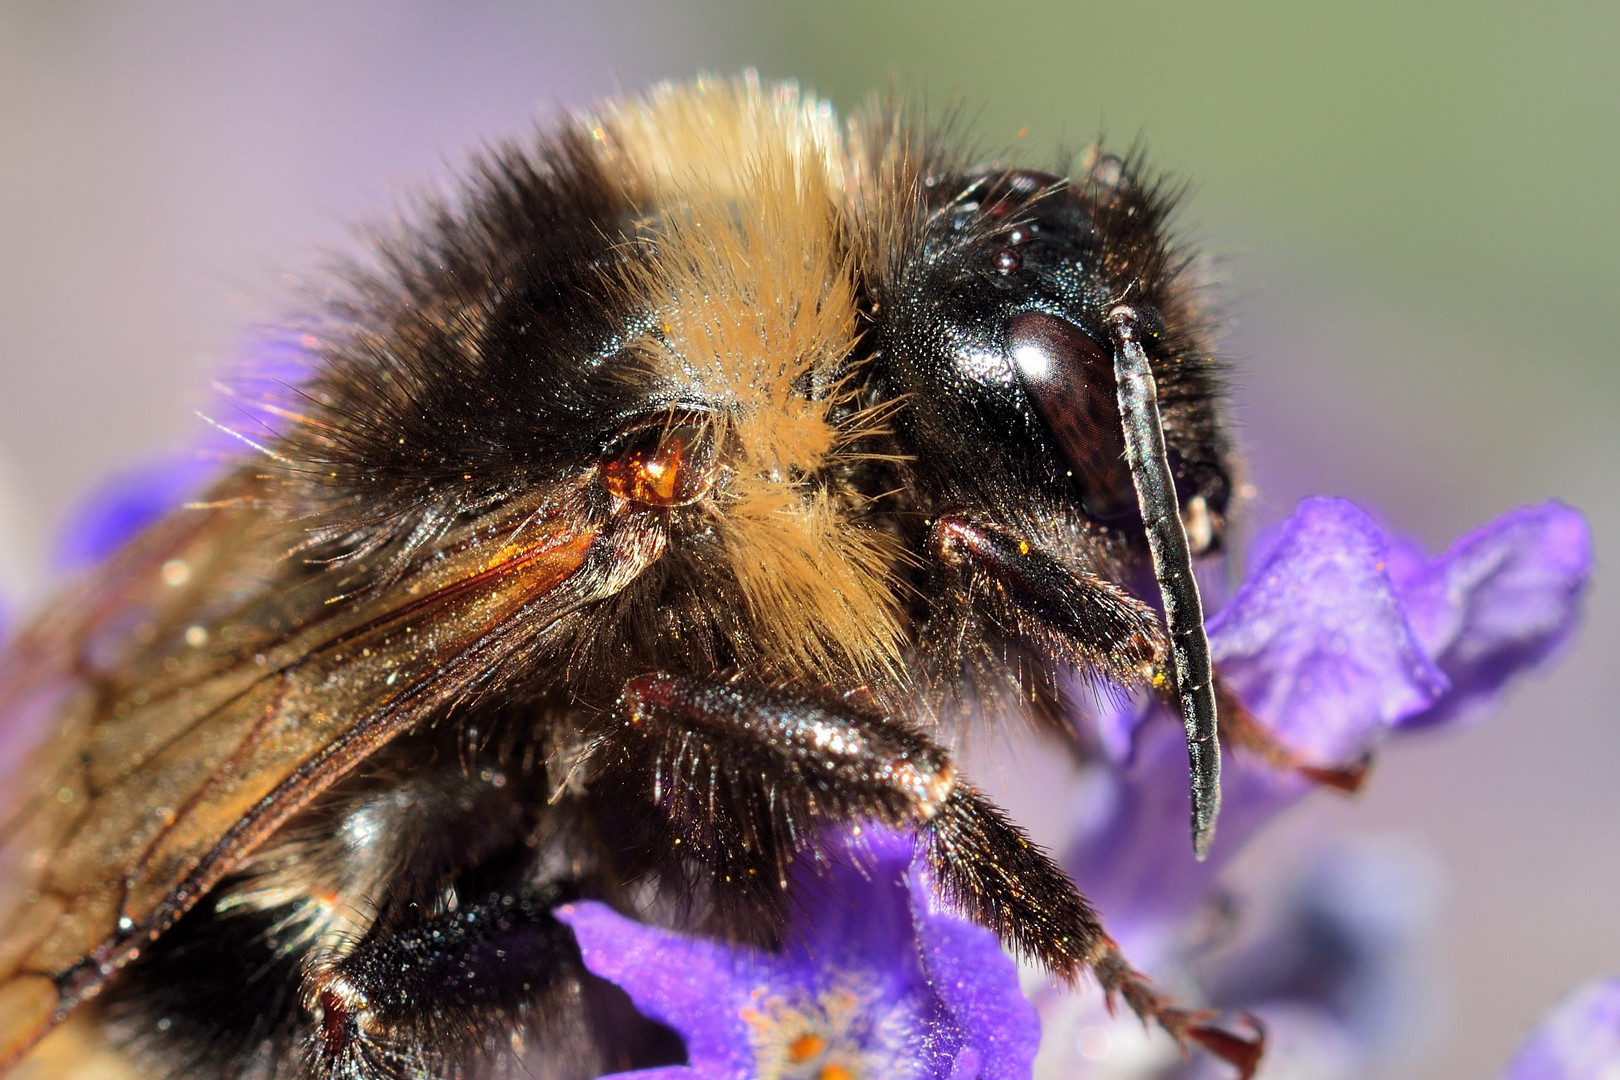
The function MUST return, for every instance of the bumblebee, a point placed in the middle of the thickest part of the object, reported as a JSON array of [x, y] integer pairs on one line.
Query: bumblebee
[[649, 507]]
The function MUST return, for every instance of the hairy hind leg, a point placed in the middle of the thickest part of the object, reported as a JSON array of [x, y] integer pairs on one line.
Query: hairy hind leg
[[745, 777]]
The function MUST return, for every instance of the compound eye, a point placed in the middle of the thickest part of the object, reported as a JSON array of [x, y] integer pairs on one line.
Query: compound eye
[[1070, 380], [667, 461]]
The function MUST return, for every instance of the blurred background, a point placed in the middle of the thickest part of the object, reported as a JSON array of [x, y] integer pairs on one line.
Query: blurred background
[[1416, 201]]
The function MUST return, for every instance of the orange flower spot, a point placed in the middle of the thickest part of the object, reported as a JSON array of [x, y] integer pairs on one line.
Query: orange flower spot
[[806, 1047]]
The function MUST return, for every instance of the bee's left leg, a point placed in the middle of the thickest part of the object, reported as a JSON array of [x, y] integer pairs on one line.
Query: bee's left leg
[[744, 777], [1093, 623], [1046, 605], [431, 996]]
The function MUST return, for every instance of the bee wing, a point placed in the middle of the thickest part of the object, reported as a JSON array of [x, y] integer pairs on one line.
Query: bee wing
[[205, 687]]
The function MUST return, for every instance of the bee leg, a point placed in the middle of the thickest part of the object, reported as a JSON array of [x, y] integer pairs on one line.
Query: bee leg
[[745, 777], [1060, 611], [740, 779], [424, 997], [1091, 622], [991, 872]]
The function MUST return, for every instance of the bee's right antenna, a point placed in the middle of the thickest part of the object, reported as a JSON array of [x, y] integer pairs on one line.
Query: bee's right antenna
[[1172, 566]]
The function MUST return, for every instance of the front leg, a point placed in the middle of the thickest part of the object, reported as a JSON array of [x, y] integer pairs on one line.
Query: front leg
[[1061, 612], [745, 777], [1085, 620]]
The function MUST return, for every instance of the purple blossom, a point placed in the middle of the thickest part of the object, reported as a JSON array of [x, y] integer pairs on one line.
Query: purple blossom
[[877, 980], [253, 404], [1580, 1040], [1340, 637], [1504, 598], [1335, 958], [127, 502]]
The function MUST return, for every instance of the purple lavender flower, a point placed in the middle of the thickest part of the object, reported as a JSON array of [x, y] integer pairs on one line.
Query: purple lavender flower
[[254, 400], [1340, 637], [1502, 599], [877, 981], [1334, 957], [1580, 1040], [127, 502]]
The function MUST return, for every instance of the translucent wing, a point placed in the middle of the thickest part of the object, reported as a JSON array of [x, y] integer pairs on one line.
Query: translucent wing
[[205, 686]]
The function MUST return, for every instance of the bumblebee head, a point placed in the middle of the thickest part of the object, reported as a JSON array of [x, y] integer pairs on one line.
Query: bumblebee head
[[1002, 326]]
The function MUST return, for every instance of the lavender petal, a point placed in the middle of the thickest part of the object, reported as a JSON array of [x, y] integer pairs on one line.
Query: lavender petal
[[1579, 1040], [1501, 599]]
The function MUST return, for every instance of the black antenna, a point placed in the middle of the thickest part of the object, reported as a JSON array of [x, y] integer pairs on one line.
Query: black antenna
[[1172, 566]]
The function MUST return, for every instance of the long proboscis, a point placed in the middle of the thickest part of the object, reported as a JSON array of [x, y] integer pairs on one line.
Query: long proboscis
[[1172, 566]]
